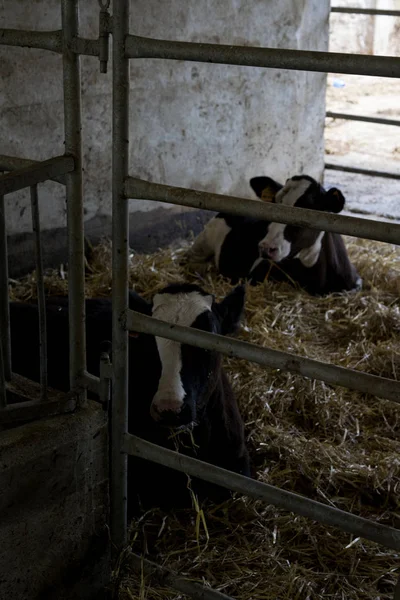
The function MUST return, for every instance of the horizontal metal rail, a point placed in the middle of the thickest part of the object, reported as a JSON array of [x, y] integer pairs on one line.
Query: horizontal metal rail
[[370, 172], [35, 173], [354, 226], [34, 409], [275, 359], [12, 163], [166, 577], [272, 58], [365, 11], [91, 382], [46, 40], [85, 46], [377, 120], [327, 515]]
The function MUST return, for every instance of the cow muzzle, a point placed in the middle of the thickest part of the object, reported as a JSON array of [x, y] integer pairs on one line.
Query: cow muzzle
[[170, 412], [268, 251]]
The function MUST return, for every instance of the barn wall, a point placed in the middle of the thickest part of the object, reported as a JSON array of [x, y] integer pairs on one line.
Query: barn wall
[[210, 127], [54, 508]]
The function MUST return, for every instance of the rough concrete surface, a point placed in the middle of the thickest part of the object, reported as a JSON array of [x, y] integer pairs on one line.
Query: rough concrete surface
[[54, 508], [209, 127]]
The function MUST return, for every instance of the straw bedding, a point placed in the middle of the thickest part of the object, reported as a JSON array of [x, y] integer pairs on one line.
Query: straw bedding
[[337, 446]]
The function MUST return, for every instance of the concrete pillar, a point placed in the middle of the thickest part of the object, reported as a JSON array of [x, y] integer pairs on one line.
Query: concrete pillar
[[210, 127]]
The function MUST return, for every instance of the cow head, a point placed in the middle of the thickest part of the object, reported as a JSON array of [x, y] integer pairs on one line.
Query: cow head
[[290, 241], [189, 374]]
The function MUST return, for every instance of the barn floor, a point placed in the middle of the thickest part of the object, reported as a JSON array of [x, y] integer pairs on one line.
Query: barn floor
[[364, 145], [334, 445]]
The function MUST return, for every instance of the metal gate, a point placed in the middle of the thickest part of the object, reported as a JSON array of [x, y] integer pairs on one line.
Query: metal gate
[[67, 169], [350, 117]]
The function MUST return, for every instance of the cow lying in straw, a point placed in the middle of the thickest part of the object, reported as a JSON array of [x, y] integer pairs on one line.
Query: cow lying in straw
[[179, 395], [247, 248]]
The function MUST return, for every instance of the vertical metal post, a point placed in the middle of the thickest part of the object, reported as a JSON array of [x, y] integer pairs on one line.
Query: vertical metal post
[[4, 306], [40, 292], [3, 393], [105, 391], [397, 590], [73, 146], [120, 233]]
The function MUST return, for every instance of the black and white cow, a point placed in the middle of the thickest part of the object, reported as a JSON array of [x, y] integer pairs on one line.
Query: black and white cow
[[247, 248], [179, 395]]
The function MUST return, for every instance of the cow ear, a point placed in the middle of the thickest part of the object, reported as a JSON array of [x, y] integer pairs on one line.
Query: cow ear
[[334, 200], [230, 310], [265, 188]]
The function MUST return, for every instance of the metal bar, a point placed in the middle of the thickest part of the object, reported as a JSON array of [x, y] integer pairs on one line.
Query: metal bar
[[365, 11], [327, 515], [105, 380], [91, 382], [378, 120], [35, 173], [40, 292], [11, 163], [46, 40], [120, 236], [33, 409], [4, 304], [73, 146], [85, 46], [3, 390], [272, 58], [275, 359], [166, 577], [369, 172], [365, 228]]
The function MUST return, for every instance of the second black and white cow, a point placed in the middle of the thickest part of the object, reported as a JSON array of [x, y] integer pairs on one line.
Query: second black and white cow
[[247, 248], [179, 395]]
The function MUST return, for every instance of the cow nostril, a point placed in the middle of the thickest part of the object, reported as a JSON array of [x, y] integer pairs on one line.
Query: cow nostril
[[268, 251]]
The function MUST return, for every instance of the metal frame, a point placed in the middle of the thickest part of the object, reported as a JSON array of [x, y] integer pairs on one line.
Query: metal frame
[[68, 170], [365, 11], [123, 443], [377, 120]]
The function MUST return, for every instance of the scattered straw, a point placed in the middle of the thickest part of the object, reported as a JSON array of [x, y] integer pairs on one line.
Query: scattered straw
[[334, 445]]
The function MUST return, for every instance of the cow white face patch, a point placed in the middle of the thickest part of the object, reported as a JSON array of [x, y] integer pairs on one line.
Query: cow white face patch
[[274, 245], [179, 309]]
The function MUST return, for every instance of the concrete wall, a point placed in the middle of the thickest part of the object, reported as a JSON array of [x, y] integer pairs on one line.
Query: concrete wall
[[203, 126], [54, 508]]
